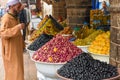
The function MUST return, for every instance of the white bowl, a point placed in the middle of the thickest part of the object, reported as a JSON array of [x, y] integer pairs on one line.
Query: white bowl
[[83, 48], [48, 69], [30, 52], [42, 77], [104, 58]]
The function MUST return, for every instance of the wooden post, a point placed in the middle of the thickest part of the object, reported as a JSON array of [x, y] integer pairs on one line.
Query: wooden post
[[115, 33], [59, 9]]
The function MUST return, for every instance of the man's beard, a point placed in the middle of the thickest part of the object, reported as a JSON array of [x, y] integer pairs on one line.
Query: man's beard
[[16, 13]]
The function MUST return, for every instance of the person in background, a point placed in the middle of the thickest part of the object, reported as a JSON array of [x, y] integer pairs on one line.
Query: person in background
[[2, 11], [105, 8], [12, 42], [24, 17]]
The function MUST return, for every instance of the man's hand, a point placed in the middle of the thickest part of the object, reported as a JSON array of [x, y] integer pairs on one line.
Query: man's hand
[[21, 26]]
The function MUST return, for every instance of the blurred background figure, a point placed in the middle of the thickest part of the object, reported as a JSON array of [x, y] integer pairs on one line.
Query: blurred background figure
[[24, 17], [2, 12], [105, 8]]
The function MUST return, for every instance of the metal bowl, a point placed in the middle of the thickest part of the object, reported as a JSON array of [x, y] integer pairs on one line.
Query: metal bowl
[[113, 78], [48, 69]]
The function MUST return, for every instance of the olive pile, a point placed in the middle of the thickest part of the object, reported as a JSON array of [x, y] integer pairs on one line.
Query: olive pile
[[39, 42], [84, 67]]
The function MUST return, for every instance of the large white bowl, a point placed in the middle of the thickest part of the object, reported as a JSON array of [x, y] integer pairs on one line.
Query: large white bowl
[[104, 58], [30, 52], [83, 48], [48, 69]]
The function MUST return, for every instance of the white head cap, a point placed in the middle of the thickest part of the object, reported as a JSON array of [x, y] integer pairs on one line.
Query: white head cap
[[12, 2]]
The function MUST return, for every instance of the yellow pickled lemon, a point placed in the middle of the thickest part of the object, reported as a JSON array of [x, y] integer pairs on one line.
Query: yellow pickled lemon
[[99, 52], [95, 51], [55, 49], [50, 59], [45, 48], [108, 33]]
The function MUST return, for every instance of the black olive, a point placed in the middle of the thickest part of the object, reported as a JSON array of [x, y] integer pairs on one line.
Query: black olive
[[40, 41], [84, 67]]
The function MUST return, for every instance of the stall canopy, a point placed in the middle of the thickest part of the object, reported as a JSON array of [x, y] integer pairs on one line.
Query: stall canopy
[[95, 4]]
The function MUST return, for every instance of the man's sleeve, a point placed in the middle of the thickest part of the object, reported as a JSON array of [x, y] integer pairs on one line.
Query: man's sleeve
[[6, 31]]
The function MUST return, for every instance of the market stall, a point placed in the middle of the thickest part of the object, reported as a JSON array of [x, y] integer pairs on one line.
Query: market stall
[[56, 45]]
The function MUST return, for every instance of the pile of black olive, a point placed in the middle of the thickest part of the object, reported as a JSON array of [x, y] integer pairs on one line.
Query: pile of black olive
[[84, 67], [40, 41]]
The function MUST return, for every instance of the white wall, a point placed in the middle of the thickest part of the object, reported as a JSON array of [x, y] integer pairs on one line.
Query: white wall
[[3, 3], [103, 0], [47, 9]]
